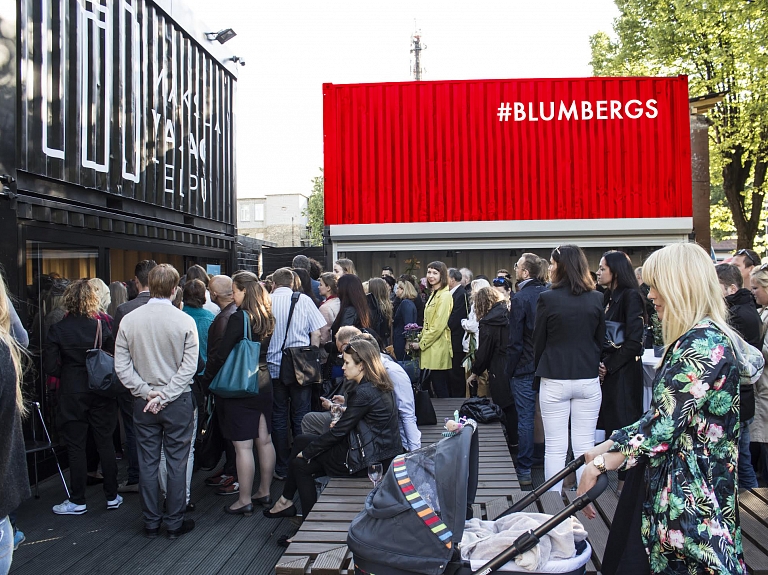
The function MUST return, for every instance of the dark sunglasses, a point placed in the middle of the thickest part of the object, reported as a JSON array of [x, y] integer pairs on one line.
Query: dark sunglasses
[[745, 253], [348, 349], [498, 282], [763, 267]]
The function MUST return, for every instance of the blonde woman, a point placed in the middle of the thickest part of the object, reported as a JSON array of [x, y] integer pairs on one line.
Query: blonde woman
[[13, 471], [758, 429], [344, 266], [381, 308], [405, 314], [331, 305], [683, 507]]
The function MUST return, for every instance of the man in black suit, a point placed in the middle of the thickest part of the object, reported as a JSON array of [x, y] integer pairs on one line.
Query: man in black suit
[[457, 377], [125, 400]]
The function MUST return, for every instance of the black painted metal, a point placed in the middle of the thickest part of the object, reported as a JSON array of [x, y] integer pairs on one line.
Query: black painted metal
[[117, 98]]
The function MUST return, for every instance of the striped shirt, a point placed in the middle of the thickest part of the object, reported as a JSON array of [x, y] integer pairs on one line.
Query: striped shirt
[[306, 319]]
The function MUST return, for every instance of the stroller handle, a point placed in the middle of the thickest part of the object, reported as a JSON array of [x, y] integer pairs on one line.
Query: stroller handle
[[531, 538]]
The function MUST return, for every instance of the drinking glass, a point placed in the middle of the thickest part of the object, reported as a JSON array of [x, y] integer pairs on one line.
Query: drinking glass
[[375, 473], [336, 411]]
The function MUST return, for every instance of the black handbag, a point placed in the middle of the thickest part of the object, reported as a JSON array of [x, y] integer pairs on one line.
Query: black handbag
[[614, 335], [481, 409], [100, 366], [302, 365], [211, 444], [425, 411]]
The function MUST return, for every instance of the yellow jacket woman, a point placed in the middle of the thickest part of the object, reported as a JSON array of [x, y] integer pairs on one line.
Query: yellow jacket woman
[[435, 341]]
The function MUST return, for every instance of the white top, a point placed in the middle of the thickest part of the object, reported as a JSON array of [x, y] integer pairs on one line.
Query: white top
[[406, 405]]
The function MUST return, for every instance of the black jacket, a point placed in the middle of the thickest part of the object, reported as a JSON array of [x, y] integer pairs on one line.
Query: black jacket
[[372, 418], [64, 351], [491, 354], [215, 336], [744, 318], [14, 482], [522, 320], [125, 308], [623, 384], [379, 323], [458, 313], [569, 334]]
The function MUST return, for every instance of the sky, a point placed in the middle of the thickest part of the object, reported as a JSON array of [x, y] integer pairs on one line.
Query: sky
[[292, 47]]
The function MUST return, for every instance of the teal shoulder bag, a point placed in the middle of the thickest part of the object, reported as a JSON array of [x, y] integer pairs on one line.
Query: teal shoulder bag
[[239, 376]]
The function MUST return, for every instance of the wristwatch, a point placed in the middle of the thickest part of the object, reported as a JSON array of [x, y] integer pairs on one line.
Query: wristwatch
[[599, 462]]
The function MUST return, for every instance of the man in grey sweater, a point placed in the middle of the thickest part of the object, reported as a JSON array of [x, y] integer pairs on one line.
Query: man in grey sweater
[[156, 358]]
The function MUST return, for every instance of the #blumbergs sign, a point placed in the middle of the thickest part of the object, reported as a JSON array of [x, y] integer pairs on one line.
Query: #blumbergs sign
[[582, 110]]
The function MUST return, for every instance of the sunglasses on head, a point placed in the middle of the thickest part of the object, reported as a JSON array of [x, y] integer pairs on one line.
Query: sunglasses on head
[[348, 349], [498, 282], [557, 249], [763, 267], [745, 253]]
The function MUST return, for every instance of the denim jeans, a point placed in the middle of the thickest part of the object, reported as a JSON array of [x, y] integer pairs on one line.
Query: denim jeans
[[747, 477], [6, 545], [290, 403], [125, 401], [525, 402]]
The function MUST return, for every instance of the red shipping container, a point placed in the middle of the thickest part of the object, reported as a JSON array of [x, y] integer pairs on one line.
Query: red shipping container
[[488, 150]]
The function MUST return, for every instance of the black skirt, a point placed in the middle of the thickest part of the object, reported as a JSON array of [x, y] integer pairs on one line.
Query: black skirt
[[240, 417]]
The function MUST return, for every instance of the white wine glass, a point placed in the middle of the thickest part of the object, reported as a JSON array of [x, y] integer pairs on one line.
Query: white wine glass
[[375, 473]]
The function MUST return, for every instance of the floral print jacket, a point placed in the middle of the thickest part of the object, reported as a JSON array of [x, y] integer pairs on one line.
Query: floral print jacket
[[690, 439]]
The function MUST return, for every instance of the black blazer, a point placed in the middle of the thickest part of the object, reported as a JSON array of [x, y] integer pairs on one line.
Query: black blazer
[[125, 308], [569, 333], [458, 313]]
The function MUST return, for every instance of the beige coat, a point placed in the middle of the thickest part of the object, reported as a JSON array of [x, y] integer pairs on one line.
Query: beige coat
[[758, 430]]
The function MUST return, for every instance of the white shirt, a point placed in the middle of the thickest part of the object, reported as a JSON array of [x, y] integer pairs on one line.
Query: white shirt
[[406, 406]]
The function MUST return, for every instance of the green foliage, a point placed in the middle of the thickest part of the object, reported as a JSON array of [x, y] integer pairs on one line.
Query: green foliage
[[720, 46], [315, 212]]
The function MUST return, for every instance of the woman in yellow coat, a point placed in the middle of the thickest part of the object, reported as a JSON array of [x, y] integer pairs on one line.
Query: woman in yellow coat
[[435, 341]]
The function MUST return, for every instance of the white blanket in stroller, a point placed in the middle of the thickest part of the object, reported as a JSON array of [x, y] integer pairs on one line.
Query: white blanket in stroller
[[484, 540]]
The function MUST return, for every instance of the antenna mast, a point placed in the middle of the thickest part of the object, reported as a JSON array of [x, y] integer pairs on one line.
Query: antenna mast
[[416, 51]]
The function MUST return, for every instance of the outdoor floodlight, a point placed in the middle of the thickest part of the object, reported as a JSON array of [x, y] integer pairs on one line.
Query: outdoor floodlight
[[222, 35]]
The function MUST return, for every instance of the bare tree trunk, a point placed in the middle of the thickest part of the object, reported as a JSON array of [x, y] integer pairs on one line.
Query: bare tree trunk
[[735, 176]]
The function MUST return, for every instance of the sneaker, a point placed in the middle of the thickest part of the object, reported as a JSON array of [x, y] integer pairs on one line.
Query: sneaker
[[69, 508], [18, 539], [220, 480], [126, 487], [231, 489], [115, 503], [524, 478]]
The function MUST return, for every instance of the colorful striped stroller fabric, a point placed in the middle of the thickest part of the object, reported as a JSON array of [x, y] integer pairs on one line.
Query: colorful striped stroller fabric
[[424, 511]]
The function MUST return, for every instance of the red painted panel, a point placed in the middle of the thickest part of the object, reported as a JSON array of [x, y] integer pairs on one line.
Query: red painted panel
[[581, 148]]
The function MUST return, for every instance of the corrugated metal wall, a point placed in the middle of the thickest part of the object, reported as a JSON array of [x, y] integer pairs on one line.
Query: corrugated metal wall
[[448, 151], [115, 97]]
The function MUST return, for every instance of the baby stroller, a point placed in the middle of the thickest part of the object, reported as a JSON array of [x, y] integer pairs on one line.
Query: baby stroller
[[413, 521]]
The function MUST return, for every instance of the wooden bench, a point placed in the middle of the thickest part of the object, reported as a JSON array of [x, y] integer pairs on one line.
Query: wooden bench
[[320, 548]]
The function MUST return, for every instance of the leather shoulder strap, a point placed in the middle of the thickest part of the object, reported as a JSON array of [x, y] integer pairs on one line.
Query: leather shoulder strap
[[294, 298]]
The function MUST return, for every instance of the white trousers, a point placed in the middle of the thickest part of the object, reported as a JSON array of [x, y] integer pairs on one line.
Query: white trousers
[[162, 476], [560, 400]]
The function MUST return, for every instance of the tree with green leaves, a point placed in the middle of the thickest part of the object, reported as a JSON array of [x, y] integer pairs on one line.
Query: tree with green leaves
[[315, 212], [720, 46]]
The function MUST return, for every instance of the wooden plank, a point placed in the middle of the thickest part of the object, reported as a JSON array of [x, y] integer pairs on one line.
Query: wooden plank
[[292, 565], [496, 507], [330, 562], [305, 536], [531, 508]]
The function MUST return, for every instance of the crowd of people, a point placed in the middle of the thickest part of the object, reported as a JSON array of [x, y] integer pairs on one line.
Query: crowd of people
[[551, 335]]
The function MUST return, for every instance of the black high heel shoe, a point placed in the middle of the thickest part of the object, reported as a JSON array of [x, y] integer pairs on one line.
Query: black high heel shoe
[[266, 501], [246, 510], [287, 512]]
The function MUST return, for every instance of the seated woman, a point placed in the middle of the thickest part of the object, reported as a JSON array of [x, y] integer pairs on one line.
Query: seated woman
[[371, 412]]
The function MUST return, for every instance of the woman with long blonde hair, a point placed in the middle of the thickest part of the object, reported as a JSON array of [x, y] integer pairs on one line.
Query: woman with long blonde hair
[[688, 439], [247, 422], [14, 482]]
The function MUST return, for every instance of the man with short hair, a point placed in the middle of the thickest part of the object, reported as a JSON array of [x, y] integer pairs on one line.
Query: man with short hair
[[466, 279], [220, 288], [303, 262], [387, 271], [289, 403], [745, 260], [457, 380], [125, 400], [156, 358], [639, 275], [744, 318], [520, 359]]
